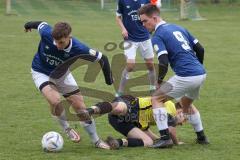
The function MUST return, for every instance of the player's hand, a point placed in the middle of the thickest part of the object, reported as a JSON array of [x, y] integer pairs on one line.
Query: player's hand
[[27, 27], [110, 81], [125, 34], [27, 30]]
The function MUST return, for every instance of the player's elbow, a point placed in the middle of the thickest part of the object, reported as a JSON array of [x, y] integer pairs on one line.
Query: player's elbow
[[199, 50], [118, 18]]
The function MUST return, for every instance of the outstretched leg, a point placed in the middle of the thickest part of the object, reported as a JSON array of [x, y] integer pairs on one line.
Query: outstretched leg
[[77, 102]]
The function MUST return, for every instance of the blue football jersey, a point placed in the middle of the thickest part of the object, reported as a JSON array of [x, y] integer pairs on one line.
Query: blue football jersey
[[48, 57], [177, 43], [128, 9]]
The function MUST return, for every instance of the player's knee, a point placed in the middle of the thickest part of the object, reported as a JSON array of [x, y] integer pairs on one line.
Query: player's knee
[[120, 109], [147, 141], [130, 67], [150, 66], [56, 107], [55, 102]]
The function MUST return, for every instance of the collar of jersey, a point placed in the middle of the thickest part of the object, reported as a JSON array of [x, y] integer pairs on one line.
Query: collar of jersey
[[66, 49], [159, 24]]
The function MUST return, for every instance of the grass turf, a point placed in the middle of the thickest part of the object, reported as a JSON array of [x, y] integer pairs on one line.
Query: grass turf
[[24, 114]]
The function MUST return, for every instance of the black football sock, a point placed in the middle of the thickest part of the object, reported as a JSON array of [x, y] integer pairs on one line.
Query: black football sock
[[134, 142], [200, 135], [104, 107], [164, 134], [120, 142], [131, 142]]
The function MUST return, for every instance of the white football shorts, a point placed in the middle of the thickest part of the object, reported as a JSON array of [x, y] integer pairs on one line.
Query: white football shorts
[[145, 48], [185, 86], [65, 84]]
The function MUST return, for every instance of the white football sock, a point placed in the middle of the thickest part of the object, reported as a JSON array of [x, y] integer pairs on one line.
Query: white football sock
[[152, 79], [195, 121], [161, 118], [123, 81], [62, 120], [90, 128]]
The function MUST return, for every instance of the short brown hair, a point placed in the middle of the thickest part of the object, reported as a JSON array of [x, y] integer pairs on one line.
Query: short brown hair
[[178, 105], [61, 30], [149, 10]]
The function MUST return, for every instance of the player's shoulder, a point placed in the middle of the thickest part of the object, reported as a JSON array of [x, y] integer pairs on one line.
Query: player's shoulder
[[148, 98], [45, 29], [157, 35], [79, 47], [168, 27], [178, 27], [170, 107], [169, 104], [77, 43], [44, 25], [144, 102]]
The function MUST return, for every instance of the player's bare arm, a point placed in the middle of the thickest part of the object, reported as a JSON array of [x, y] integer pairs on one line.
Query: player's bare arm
[[123, 29]]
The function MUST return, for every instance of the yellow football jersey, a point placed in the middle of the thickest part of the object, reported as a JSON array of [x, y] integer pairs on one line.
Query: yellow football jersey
[[145, 114]]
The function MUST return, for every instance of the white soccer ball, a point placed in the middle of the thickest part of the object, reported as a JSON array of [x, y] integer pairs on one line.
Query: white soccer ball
[[52, 142]]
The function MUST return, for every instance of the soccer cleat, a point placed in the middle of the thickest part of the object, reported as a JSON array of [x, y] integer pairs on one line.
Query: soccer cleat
[[101, 144], [112, 142], [160, 143], [72, 135], [84, 115], [203, 140]]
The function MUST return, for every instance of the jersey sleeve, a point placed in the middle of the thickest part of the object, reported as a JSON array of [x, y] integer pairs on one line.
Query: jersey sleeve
[[191, 38], [120, 8], [87, 53], [158, 46], [44, 29]]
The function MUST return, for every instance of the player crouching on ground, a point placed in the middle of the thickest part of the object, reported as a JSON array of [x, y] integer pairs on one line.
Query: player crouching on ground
[[133, 116]]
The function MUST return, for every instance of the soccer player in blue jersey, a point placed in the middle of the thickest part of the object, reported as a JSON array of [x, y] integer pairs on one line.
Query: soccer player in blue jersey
[[135, 37], [55, 48], [174, 45]]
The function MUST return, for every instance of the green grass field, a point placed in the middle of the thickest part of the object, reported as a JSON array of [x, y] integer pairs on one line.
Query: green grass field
[[25, 116]]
